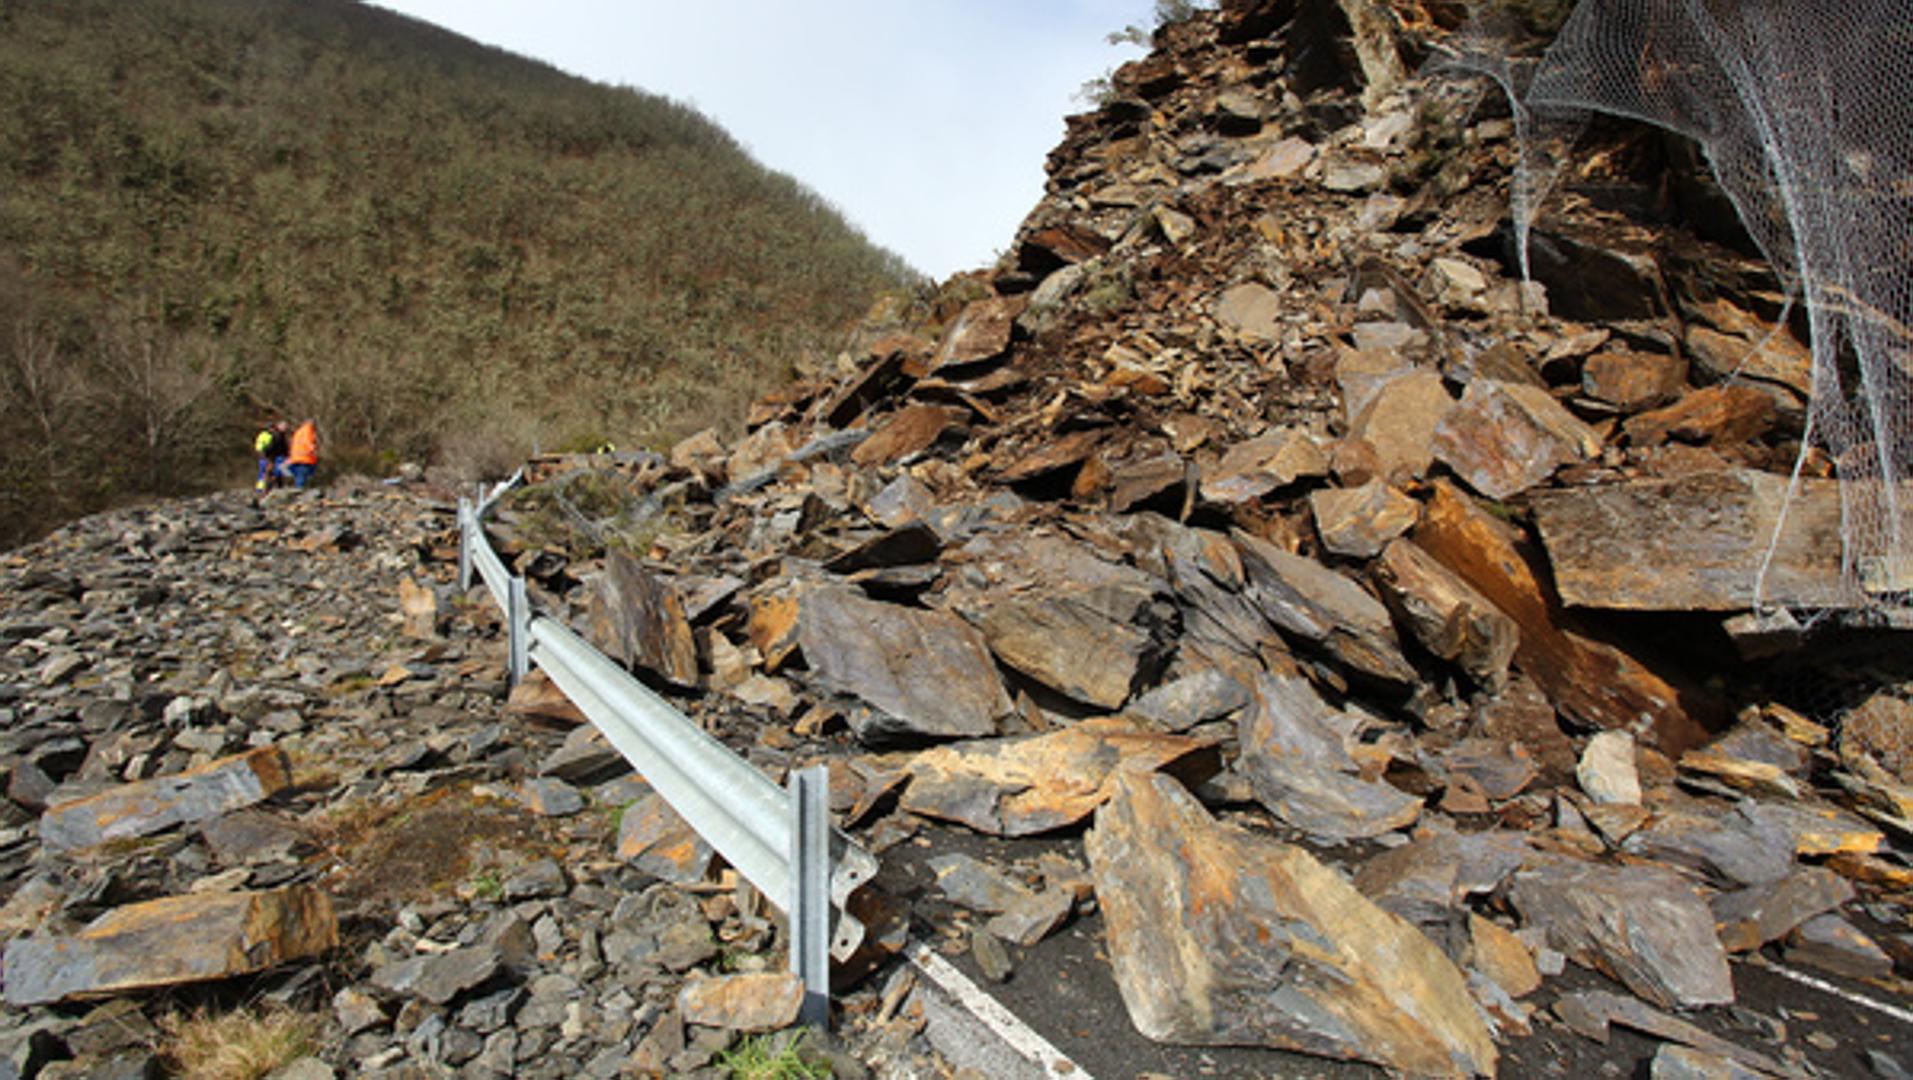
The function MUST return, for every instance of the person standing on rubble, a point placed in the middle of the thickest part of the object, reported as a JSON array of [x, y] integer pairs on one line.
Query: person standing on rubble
[[304, 456], [271, 445]]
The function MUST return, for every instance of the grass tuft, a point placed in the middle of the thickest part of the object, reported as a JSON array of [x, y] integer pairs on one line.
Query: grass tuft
[[771, 1057], [240, 1045]]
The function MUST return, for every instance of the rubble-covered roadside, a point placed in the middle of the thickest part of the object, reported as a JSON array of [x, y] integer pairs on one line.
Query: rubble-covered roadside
[[256, 755], [1369, 638]]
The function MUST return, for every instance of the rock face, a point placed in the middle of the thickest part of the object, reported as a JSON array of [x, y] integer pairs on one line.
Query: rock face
[[180, 939], [1221, 938]]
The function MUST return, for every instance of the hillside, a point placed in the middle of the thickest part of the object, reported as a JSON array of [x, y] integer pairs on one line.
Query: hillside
[[214, 209]]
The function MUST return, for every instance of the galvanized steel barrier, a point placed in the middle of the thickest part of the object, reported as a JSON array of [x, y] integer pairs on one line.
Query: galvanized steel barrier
[[780, 840]]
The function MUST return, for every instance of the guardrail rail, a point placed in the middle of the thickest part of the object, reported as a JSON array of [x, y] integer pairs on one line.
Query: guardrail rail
[[780, 839]]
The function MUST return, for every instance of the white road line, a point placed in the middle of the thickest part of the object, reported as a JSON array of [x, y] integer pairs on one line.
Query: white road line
[[1823, 986], [1005, 1024]]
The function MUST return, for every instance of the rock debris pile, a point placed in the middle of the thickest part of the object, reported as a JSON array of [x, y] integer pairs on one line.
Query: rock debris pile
[[1366, 632]]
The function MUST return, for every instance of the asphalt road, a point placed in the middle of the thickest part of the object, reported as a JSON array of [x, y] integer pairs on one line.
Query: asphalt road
[[1064, 990]]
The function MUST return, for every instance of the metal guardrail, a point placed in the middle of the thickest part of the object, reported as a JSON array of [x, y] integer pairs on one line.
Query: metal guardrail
[[781, 840]]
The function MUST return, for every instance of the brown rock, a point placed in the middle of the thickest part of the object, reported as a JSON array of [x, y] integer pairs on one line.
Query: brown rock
[[1138, 481], [1218, 937], [699, 452], [1723, 415], [1646, 927], [1632, 381], [149, 806], [1071, 644], [1696, 543], [1400, 421], [1251, 311], [907, 431], [1505, 438], [1592, 682], [762, 449], [1447, 616], [1520, 715], [882, 376], [1031, 784], [1748, 348], [1497, 953], [1252, 469], [635, 616], [418, 604], [756, 1002], [537, 697], [1360, 521], [654, 838], [980, 332], [172, 941], [926, 673], [1059, 453], [1590, 1012], [773, 627]]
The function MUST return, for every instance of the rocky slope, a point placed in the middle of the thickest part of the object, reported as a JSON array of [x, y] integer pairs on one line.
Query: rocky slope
[[1360, 633]]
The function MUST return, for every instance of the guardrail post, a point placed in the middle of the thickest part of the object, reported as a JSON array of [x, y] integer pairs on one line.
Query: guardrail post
[[518, 618], [464, 544], [809, 906]]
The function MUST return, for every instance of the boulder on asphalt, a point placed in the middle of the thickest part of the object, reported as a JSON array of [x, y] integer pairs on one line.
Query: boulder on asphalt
[[1646, 927], [1220, 937]]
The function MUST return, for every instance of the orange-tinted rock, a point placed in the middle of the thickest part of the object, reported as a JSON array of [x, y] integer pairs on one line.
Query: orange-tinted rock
[[1504, 438], [1032, 784], [980, 332], [537, 697], [653, 837], [755, 1002], [1725, 414], [1252, 469], [172, 941], [1400, 422], [1595, 683], [1221, 937], [149, 806], [1359, 521], [1632, 381], [1447, 615], [907, 431]]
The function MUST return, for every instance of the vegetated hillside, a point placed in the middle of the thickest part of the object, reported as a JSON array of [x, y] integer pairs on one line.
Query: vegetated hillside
[[212, 209]]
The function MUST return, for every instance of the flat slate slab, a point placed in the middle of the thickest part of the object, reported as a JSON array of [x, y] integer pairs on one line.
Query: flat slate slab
[[927, 673], [1696, 543], [149, 806], [171, 941]]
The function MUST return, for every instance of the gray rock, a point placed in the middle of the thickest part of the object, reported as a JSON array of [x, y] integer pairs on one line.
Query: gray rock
[[1646, 927]]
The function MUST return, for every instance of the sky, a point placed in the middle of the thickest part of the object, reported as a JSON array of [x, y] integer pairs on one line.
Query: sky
[[925, 122]]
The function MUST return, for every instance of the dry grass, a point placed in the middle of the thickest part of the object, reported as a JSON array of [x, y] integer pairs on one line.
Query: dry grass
[[240, 1045]]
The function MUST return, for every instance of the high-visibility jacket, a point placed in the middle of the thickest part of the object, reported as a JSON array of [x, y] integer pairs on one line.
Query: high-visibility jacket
[[305, 445], [262, 442]]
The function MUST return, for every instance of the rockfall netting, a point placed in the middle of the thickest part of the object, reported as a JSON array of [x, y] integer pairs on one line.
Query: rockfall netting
[[1805, 113]]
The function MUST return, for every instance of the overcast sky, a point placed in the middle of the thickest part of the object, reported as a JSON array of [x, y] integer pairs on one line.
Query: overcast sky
[[925, 121]]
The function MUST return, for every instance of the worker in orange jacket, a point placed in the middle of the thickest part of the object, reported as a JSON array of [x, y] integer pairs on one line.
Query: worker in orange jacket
[[304, 456]]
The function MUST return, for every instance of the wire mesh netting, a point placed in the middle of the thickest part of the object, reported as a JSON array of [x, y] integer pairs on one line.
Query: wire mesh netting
[[1805, 112]]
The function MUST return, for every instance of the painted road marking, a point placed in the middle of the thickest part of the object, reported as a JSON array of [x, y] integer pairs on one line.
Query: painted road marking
[[1823, 986], [1005, 1024]]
